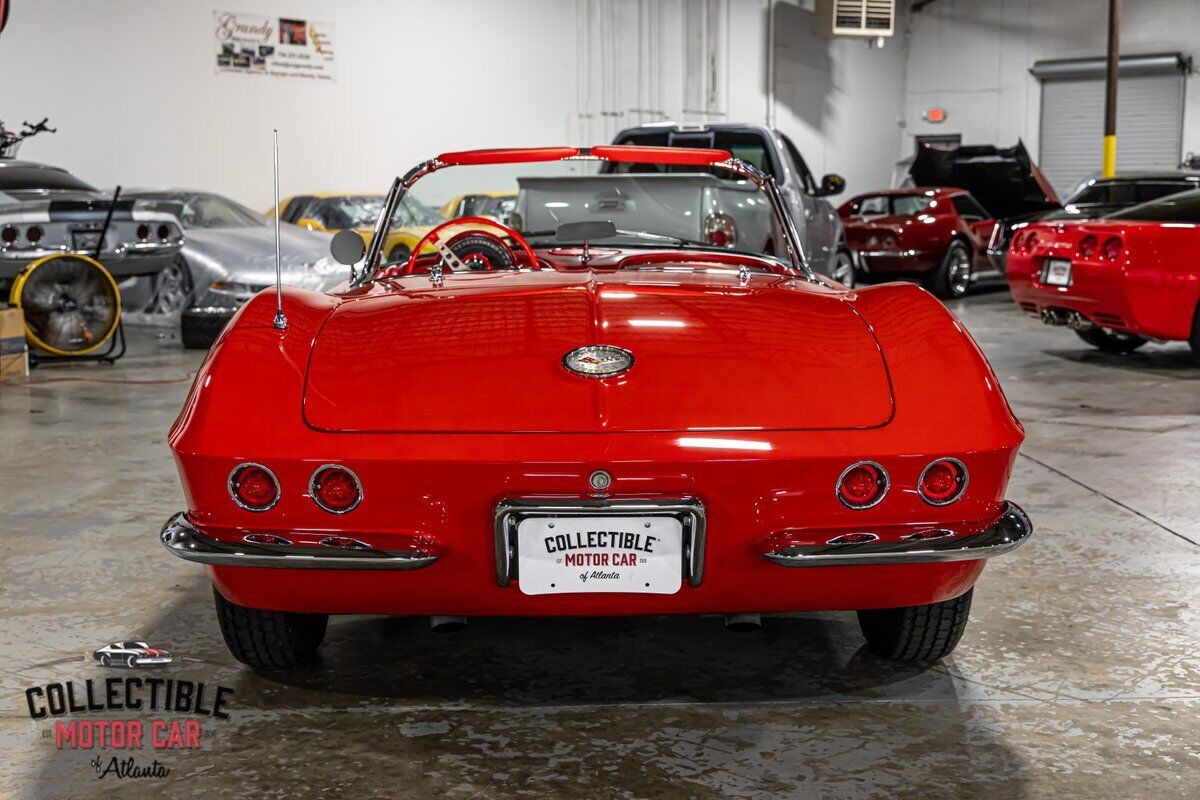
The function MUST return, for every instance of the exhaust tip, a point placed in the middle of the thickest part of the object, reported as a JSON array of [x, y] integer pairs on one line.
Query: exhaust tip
[[447, 624], [1052, 316], [743, 623], [1078, 322]]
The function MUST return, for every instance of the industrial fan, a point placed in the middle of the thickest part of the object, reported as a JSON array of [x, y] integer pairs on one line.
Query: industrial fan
[[71, 304]]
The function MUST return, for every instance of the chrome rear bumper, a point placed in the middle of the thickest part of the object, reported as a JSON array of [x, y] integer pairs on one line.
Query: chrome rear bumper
[[1008, 532], [182, 538]]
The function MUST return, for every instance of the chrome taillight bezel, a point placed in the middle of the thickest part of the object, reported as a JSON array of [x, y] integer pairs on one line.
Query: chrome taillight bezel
[[962, 487], [229, 485], [887, 485], [312, 488]]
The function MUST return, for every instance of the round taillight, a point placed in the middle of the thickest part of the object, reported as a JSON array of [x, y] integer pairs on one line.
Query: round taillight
[[862, 485], [143, 232], [1018, 242], [34, 233], [1030, 240], [1113, 247], [943, 482], [253, 487], [1088, 246], [335, 489], [163, 231], [8, 235]]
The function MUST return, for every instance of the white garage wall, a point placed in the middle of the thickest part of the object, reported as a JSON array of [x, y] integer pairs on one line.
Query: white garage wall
[[132, 88], [972, 58]]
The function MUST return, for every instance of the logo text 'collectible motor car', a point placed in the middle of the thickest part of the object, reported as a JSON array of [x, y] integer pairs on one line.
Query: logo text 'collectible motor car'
[[731, 432]]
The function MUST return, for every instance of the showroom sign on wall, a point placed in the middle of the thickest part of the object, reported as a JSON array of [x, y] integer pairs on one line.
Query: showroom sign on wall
[[282, 47]]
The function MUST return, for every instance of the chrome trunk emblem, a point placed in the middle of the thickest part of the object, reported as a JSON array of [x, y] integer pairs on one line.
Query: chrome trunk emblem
[[598, 361]]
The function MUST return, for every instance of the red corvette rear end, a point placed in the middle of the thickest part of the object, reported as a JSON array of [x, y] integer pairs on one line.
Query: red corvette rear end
[[606, 431], [1116, 282]]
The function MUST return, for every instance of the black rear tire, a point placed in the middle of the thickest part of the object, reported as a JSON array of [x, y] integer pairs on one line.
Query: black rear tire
[[916, 633], [1194, 339], [952, 279], [1112, 341], [270, 639], [199, 331]]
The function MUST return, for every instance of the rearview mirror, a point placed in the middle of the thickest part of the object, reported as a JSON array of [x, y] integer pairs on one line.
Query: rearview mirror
[[347, 247], [585, 231], [831, 184]]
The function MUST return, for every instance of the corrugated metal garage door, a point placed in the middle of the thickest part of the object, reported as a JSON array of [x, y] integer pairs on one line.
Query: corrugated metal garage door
[[1149, 126]]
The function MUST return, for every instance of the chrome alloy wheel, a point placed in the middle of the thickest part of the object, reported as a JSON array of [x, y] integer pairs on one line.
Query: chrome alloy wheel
[[172, 289], [843, 268], [958, 273]]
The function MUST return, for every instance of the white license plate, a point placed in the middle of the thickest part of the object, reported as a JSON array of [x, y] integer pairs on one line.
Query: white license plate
[[569, 555], [1056, 272]]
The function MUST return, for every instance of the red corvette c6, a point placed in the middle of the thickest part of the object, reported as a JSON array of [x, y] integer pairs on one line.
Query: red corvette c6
[[1117, 282], [937, 235], [574, 415]]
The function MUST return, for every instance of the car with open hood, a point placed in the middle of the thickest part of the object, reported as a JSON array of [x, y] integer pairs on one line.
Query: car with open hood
[[577, 415], [1004, 180]]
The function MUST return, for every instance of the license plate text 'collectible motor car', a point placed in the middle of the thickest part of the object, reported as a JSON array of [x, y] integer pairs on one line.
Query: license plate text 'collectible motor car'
[[593, 411]]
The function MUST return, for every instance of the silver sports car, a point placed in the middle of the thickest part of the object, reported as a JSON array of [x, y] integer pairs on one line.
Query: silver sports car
[[228, 256]]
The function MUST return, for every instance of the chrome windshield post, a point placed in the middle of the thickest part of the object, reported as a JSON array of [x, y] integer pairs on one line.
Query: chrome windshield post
[[400, 187], [791, 238]]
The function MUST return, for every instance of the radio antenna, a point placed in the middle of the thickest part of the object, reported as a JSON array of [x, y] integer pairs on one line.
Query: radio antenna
[[280, 319]]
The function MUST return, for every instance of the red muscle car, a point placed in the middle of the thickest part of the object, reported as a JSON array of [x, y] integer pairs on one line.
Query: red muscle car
[[1118, 281], [937, 235], [567, 417]]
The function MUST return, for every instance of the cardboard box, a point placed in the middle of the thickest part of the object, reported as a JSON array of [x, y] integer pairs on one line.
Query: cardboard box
[[14, 354]]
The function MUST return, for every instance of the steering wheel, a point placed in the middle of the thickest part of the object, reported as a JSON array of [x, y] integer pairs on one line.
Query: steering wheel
[[473, 249]]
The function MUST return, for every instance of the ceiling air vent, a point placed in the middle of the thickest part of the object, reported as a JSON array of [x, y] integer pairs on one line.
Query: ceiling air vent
[[854, 17]]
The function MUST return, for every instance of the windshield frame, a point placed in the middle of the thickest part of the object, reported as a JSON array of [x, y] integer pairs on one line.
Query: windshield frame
[[798, 263]]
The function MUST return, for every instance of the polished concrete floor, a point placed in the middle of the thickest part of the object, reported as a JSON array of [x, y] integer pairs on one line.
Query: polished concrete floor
[[1078, 675]]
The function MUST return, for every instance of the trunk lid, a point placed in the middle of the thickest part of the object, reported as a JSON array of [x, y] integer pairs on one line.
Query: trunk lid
[[485, 354]]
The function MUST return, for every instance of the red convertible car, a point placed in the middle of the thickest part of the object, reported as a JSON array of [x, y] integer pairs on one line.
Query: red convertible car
[[1119, 281], [937, 235], [571, 416]]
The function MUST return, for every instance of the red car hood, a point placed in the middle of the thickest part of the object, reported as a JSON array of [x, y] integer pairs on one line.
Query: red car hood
[[484, 354]]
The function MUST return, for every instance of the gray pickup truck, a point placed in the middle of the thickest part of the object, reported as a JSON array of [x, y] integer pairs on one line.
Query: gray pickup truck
[[774, 153]]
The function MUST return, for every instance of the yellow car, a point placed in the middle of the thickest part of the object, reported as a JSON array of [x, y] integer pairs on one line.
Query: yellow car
[[336, 211]]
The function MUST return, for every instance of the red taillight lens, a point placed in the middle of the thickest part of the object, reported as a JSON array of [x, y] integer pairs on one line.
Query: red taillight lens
[[34, 234], [1018, 240], [1031, 239], [1088, 246], [143, 232], [163, 231], [943, 482], [1113, 248], [862, 485], [8, 235], [335, 489], [720, 230], [253, 487]]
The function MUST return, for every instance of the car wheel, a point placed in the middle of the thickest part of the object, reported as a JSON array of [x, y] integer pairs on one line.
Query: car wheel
[[952, 279], [131, 662], [399, 253], [843, 268], [1111, 341], [916, 633], [105, 661], [172, 288], [199, 331], [270, 638]]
